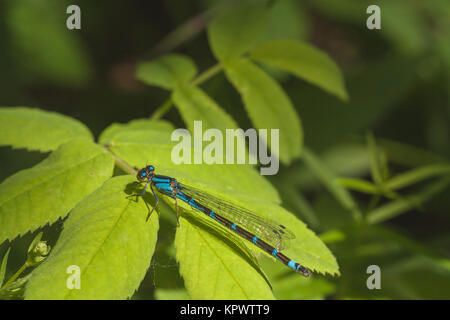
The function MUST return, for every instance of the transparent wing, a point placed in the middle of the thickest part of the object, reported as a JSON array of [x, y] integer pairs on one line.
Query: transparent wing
[[266, 229]]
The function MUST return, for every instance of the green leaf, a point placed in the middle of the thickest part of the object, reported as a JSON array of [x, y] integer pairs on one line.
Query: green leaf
[[402, 205], [304, 61], [139, 125], [236, 183], [378, 164], [195, 105], [213, 270], [329, 180], [416, 175], [35, 241], [307, 248], [171, 294], [108, 237], [37, 251], [3, 267], [227, 253], [34, 197], [359, 185], [35, 129], [155, 147], [268, 106], [237, 30], [14, 291], [167, 72]]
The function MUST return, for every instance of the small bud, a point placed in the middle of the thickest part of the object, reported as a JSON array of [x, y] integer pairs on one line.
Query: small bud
[[37, 254]]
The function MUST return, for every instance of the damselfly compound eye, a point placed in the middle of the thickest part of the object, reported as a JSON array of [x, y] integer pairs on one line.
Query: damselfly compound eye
[[142, 174]]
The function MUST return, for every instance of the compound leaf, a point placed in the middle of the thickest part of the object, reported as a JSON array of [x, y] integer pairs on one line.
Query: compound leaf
[[34, 197], [106, 238]]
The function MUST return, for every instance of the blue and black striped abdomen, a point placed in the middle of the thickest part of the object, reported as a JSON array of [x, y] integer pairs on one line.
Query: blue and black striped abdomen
[[244, 234], [255, 229]]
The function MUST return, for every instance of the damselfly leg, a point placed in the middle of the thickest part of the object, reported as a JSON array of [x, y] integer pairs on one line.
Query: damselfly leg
[[156, 201]]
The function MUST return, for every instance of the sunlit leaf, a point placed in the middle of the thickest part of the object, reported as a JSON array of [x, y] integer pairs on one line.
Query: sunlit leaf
[[108, 238], [167, 72], [195, 104], [155, 147], [268, 107], [304, 61], [35, 129], [3, 267], [237, 30], [235, 183], [213, 270], [34, 197], [139, 125]]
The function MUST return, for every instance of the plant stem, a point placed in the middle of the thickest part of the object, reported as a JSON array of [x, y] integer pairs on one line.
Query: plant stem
[[207, 74], [16, 275], [120, 163], [162, 110]]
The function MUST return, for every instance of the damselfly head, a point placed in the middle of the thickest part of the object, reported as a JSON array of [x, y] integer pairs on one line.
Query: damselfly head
[[145, 173]]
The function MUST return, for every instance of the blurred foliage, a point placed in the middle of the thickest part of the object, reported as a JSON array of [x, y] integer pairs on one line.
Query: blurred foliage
[[372, 176]]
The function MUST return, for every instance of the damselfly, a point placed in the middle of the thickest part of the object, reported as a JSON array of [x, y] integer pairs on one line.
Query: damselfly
[[266, 234]]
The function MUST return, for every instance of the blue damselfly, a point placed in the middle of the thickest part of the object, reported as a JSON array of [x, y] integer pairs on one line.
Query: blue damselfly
[[265, 233]]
